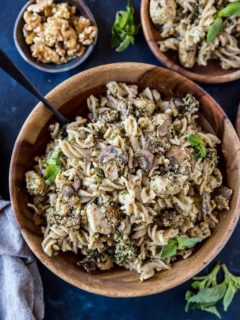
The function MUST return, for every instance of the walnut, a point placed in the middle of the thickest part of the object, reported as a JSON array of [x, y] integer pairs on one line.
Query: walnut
[[87, 36], [55, 33]]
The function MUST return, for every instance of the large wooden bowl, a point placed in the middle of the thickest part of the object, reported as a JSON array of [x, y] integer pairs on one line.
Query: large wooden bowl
[[70, 97], [212, 73]]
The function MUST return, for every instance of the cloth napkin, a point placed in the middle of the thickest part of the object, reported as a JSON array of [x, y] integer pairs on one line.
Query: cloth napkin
[[21, 290]]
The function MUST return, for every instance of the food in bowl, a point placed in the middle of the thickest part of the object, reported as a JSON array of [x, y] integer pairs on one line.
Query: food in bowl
[[55, 33], [137, 184], [199, 30]]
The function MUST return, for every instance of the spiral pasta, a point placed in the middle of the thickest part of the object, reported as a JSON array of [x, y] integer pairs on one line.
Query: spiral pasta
[[184, 26], [127, 181]]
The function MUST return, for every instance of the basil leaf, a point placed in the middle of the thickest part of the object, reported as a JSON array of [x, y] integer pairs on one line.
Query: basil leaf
[[199, 146], [209, 296], [126, 42], [231, 10], [229, 295], [214, 29], [54, 157], [51, 173], [187, 243], [124, 29], [211, 309], [53, 166], [169, 250]]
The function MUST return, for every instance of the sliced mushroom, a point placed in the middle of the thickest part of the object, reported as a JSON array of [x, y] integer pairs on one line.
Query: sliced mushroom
[[123, 158], [38, 199], [145, 159], [89, 264], [224, 192], [177, 154], [106, 154], [163, 129], [68, 191], [77, 183], [206, 205], [169, 219], [113, 153]]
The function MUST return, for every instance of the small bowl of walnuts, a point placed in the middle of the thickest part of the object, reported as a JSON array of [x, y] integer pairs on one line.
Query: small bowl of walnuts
[[54, 35]]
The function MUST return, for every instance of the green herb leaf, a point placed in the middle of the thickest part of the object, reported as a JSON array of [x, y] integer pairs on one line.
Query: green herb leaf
[[125, 43], [199, 146], [210, 292], [169, 250], [211, 309], [208, 280], [51, 173], [214, 29], [53, 166], [124, 29], [229, 295], [187, 243], [231, 10], [209, 296], [233, 284]]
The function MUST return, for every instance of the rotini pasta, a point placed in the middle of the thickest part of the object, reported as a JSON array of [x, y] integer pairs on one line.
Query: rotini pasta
[[117, 187], [184, 26]]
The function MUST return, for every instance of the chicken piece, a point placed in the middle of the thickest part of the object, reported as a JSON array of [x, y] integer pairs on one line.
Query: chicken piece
[[162, 11], [187, 54], [101, 219], [169, 184], [35, 184], [164, 128], [143, 107]]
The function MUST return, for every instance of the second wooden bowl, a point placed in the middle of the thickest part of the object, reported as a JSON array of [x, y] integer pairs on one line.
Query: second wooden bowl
[[70, 97], [212, 73]]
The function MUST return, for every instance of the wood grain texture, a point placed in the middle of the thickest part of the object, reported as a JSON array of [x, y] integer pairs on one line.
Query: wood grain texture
[[238, 121], [70, 97], [24, 49], [212, 73]]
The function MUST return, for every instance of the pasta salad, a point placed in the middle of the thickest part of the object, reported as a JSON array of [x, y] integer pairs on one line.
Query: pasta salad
[[137, 184], [195, 29]]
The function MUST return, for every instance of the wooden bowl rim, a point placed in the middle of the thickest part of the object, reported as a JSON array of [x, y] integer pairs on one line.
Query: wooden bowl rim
[[238, 121], [138, 289], [53, 68], [146, 26]]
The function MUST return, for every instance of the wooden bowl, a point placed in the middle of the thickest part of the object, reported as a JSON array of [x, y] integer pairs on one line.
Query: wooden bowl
[[238, 121], [24, 49], [212, 73], [70, 97]]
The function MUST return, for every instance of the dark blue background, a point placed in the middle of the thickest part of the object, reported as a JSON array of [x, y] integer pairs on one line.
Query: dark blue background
[[63, 301]]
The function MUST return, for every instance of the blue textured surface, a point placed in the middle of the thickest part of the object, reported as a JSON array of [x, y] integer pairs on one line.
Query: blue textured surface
[[63, 301]]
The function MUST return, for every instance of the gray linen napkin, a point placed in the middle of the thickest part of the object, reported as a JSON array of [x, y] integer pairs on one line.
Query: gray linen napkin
[[21, 290]]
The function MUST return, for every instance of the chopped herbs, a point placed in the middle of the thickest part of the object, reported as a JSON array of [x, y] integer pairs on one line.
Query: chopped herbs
[[124, 29], [100, 173], [125, 249], [53, 166], [199, 146], [179, 243], [208, 292], [231, 10]]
